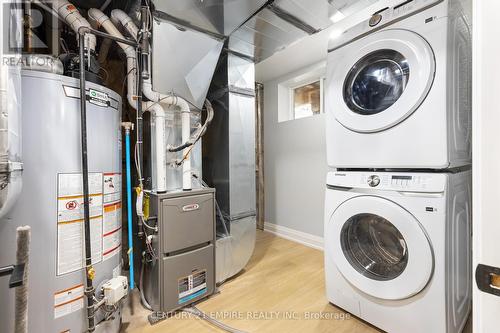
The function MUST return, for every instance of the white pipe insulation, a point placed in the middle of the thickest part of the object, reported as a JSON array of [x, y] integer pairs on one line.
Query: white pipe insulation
[[119, 16], [185, 123], [101, 20], [156, 99], [70, 14], [160, 144]]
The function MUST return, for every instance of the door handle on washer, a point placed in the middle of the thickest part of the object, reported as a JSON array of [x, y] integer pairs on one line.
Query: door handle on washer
[[422, 194]]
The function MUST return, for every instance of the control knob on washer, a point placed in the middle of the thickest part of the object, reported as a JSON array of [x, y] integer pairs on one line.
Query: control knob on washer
[[373, 180]]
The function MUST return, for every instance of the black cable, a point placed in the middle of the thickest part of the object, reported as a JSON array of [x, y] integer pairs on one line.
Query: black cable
[[200, 132]]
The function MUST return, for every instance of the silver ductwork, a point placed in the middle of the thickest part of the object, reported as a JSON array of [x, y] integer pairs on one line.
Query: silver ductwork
[[219, 17], [229, 161], [10, 107], [189, 57], [257, 28]]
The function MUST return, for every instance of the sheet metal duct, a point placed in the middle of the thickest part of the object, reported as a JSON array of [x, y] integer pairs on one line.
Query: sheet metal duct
[[229, 148], [229, 160], [313, 13], [257, 29], [183, 61], [283, 22], [263, 35], [219, 17]]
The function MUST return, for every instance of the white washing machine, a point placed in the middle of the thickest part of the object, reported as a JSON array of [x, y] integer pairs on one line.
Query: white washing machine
[[398, 249], [399, 89]]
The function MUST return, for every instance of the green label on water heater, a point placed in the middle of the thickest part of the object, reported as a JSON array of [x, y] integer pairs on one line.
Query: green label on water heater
[[98, 98]]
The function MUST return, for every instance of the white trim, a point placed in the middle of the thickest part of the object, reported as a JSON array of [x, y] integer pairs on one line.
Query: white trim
[[303, 77], [316, 242]]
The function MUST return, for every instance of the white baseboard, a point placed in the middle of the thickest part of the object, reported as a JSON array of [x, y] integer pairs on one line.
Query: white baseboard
[[303, 238]]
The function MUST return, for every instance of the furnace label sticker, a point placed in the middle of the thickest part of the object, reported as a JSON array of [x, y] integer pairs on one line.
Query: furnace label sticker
[[70, 223], [192, 286], [68, 301], [112, 216]]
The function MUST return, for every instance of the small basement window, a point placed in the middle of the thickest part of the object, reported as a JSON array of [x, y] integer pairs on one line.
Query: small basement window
[[307, 100], [300, 94]]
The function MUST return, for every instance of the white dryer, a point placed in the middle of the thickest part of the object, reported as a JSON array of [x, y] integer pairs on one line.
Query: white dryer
[[398, 249], [399, 89]]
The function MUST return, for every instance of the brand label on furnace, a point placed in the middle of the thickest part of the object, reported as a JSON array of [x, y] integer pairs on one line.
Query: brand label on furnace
[[192, 286]]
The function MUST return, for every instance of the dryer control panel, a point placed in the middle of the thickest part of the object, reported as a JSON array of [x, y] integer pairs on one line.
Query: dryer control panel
[[389, 181], [382, 18]]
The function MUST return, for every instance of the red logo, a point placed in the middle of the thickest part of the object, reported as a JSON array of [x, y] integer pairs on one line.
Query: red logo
[[70, 205]]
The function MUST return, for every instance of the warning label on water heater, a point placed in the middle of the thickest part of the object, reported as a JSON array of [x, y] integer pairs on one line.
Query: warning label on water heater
[[112, 216], [70, 223], [192, 286], [68, 301]]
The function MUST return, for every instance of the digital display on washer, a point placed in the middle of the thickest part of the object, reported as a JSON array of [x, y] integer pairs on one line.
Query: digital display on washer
[[401, 177]]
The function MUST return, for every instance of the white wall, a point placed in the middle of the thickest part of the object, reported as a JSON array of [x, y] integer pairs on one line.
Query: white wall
[[294, 164], [295, 151], [311, 49], [486, 157]]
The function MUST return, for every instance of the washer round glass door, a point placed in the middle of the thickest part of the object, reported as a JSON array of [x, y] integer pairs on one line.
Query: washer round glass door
[[382, 81], [376, 82], [380, 248]]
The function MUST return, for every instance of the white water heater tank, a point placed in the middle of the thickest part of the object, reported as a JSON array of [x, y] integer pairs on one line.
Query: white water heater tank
[[51, 203]]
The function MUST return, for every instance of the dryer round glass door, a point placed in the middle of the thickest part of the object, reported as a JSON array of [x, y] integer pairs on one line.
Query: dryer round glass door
[[380, 247], [385, 78]]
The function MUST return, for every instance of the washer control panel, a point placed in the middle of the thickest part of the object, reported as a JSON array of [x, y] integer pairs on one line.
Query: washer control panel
[[373, 180], [410, 182], [384, 17]]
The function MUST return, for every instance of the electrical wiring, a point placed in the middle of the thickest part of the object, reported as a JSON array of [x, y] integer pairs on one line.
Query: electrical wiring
[[137, 165], [138, 130], [196, 137], [149, 247], [198, 133], [123, 88], [141, 284], [148, 226]]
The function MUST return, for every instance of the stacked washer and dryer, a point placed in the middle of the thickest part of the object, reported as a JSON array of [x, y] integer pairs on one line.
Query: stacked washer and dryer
[[398, 203]]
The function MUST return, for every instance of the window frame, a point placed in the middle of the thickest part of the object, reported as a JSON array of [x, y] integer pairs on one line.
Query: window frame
[[291, 95], [287, 85]]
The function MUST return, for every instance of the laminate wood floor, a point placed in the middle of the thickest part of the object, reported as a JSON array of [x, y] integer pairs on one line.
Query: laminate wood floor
[[281, 290]]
